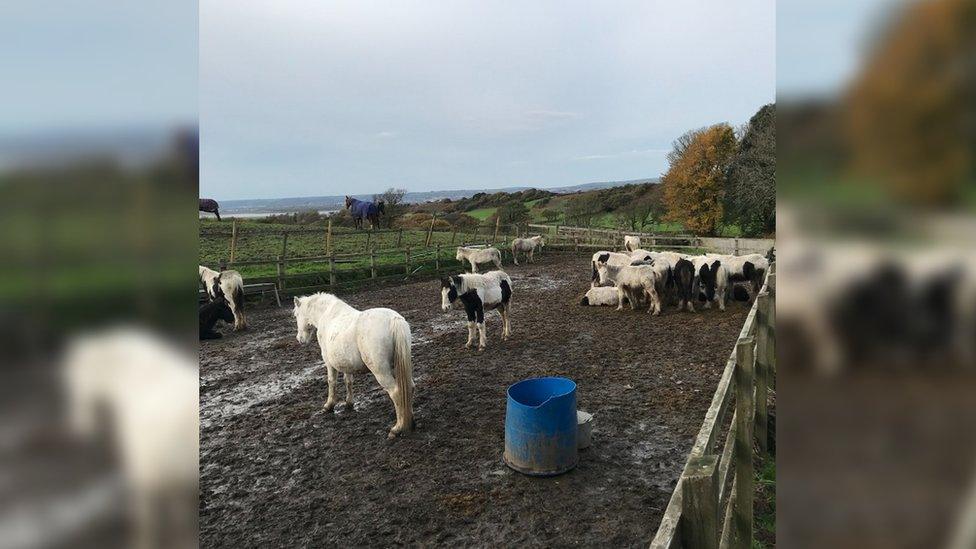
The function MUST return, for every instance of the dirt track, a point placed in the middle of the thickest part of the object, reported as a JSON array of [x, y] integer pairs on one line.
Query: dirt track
[[277, 470]]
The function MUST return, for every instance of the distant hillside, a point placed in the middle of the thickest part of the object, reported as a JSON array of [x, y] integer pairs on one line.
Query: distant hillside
[[295, 204]]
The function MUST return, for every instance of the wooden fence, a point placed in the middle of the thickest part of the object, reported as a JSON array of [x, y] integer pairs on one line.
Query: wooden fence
[[383, 256], [435, 255], [706, 510]]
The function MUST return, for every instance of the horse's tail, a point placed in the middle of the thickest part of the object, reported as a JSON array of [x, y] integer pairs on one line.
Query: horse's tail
[[238, 298], [403, 369]]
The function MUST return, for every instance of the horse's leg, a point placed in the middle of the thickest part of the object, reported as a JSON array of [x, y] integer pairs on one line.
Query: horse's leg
[[217, 213], [474, 266], [498, 262], [469, 309], [331, 401], [620, 299], [349, 398], [482, 338], [532, 255], [385, 377], [503, 310]]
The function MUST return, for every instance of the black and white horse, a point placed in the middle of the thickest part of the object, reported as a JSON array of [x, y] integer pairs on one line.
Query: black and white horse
[[228, 285], [210, 205], [745, 268], [711, 279], [478, 293]]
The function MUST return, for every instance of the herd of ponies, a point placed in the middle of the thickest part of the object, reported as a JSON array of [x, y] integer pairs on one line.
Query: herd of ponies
[[378, 340]]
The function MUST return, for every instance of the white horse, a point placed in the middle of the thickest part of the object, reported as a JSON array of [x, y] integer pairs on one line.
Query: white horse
[[150, 393], [231, 286], [479, 255], [601, 295], [478, 293], [631, 243], [609, 258], [528, 246], [631, 282], [354, 342]]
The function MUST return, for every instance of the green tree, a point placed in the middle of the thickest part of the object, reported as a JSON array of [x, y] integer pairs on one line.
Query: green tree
[[750, 188], [550, 215], [392, 203], [513, 213]]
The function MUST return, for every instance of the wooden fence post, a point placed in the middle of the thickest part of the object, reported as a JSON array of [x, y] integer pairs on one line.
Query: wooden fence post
[[430, 231], [699, 504], [454, 235], [399, 238], [233, 240], [372, 263], [280, 263], [437, 258], [332, 270], [498, 221], [284, 244], [328, 237], [762, 370], [369, 235], [742, 503], [406, 261]]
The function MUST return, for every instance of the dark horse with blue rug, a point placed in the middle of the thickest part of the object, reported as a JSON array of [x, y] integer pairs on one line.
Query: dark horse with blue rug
[[360, 210]]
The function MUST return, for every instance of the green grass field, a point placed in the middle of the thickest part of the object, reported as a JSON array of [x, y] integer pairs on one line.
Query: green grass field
[[264, 241]]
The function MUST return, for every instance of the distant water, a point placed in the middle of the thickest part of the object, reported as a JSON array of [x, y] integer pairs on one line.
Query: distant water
[[259, 215]]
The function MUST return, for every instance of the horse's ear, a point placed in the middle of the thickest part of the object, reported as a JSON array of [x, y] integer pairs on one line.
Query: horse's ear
[[297, 301]]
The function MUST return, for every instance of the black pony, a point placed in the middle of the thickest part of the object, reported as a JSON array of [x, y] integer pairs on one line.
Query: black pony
[[210, 313], [210, 205]]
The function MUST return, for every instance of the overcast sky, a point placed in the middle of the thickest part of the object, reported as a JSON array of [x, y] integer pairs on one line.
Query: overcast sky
[[307, 97]]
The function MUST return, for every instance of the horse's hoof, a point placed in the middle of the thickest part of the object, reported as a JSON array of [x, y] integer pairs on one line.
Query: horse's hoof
[[350, 407], [481, 348], [329, 407]]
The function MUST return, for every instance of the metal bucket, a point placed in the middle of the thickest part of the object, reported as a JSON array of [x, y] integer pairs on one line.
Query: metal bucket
[[541, 426]]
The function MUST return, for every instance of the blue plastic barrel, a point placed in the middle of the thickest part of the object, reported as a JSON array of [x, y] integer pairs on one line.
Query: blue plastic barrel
[[540, 426]]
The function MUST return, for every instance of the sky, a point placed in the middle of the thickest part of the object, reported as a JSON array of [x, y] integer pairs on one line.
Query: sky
[[302, 97], [90, 66]]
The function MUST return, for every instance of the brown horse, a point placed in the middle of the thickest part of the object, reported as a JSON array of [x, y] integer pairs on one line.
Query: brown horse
[[210, 205]]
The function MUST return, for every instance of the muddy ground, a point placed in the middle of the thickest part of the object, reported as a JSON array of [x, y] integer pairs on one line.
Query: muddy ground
[[277, 470]]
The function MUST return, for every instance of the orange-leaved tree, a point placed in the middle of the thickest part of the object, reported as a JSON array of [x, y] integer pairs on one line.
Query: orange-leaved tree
[[695, 181]]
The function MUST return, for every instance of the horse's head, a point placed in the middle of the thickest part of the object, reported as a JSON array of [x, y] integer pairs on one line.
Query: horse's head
[[542, 241], [348, 201], [303, 320], [223, 310], [449, 291], [460, 254]]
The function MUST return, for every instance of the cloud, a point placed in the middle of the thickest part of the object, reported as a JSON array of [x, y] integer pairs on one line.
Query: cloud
[[385, 135], [635, 152]]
